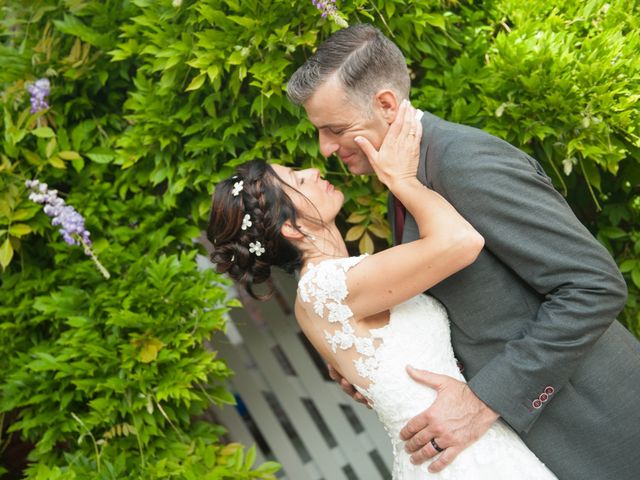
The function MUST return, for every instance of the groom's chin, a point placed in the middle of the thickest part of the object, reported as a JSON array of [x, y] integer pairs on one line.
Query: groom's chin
[[360, 168]]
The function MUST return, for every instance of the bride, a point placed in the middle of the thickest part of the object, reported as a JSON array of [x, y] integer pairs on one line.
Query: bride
[[366, 315]]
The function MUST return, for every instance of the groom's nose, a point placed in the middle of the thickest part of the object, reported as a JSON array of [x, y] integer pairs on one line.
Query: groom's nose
[[328, 146]]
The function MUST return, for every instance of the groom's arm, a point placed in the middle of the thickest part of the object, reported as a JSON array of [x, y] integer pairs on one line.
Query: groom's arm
[[528, 225]]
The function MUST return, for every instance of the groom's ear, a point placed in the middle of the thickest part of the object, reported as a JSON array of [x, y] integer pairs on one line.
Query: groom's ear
[[290, 232], [387, 103]]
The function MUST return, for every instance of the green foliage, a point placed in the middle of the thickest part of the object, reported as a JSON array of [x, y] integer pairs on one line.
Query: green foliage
[[562, 81], [153, 102], [107, 378]]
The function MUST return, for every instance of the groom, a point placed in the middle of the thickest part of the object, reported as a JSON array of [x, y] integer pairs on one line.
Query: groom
[[533, 319]]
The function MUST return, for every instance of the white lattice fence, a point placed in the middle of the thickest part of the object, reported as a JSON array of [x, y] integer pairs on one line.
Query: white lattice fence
[[288, 406]]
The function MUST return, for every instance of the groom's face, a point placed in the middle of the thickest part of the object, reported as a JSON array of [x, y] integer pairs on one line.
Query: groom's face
[[339, 121]]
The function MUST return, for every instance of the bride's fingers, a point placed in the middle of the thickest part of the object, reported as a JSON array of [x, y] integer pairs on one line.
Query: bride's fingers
[[367, 148], [395, 129], [408, 121]]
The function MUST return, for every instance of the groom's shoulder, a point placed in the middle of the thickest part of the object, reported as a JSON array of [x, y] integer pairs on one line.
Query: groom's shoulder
[[442, 132], [456, 144]]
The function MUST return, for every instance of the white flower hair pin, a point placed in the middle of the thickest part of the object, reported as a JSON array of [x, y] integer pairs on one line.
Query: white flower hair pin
[[246, 222], [256, 248], [237, 188]]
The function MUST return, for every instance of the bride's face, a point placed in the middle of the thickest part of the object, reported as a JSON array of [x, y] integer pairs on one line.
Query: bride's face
[[311, 194]]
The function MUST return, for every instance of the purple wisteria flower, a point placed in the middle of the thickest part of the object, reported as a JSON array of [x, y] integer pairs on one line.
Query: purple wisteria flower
[[39, 91], [328, 8], [69, 221]]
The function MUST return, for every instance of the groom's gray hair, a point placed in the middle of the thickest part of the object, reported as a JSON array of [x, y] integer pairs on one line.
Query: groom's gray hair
[[364, 61]]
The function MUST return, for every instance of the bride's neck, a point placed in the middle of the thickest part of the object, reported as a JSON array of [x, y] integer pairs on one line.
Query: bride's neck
[[322, 245]]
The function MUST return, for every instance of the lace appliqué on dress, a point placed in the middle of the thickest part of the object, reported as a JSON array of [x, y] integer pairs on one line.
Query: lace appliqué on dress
[[325, 287]]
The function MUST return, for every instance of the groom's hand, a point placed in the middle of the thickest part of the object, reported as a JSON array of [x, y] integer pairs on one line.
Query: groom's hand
[[347, 387], [455, 420]]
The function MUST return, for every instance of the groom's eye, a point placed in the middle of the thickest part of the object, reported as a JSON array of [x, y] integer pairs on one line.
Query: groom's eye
[[336, 131]]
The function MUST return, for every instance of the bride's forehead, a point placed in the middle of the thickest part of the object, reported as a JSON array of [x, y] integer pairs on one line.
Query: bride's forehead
[[283, 172]]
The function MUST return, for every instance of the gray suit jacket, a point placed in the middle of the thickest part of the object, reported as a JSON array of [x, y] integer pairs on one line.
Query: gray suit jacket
[[533, 318]]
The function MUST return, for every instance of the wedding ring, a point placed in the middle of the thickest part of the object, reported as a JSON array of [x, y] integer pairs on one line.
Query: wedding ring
[[413, 134], [436, 446]]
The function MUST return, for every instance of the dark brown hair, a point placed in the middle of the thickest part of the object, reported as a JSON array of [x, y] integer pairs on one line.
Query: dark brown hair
[[269, 207]]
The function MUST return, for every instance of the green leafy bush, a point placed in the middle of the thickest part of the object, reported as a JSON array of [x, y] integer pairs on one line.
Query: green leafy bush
[[562, 81], [153, 102]]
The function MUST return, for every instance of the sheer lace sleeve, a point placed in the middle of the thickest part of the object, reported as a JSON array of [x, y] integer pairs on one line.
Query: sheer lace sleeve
[[323, 288]]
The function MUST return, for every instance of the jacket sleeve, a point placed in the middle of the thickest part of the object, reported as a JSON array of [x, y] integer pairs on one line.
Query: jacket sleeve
[[528, 225]]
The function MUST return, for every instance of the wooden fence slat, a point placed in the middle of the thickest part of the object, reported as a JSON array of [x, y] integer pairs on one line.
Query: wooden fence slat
[[287, 396], [245, 385]]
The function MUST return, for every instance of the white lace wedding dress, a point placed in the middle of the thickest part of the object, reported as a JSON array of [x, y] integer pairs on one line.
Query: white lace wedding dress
[[417, 334]]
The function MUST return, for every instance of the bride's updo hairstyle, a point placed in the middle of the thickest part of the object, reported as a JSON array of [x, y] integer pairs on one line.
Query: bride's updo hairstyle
[[247, 213]]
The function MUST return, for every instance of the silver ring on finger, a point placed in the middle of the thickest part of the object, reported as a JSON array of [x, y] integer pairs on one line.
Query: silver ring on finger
[[435, 445]]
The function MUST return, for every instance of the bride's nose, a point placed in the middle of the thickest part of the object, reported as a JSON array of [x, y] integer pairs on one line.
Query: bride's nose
[[313, 174]]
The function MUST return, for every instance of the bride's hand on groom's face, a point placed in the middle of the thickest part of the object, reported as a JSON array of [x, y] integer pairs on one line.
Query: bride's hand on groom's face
[[397, 157], [347, 387]]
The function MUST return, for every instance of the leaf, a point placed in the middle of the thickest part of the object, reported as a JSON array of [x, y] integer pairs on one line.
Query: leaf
[[250, 457], [78, 165], [354, 233], [19, 229], [69, 155], [356, 217], [77, 322], [612, 232], [592, 173], [23, 214], [635, 276], [435, 20], [628, 265], [246, 22], [51, 147], [75, 27], [43, 132], [101, 155], [149, 350], [379, 231], [57, 163], [366, 244], [268, 467], [6, 253], [196, 83]]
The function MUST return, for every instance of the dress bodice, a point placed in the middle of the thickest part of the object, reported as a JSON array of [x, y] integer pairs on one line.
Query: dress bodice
[[417, 334]]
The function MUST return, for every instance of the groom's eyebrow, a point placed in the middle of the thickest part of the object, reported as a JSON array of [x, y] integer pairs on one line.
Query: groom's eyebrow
[[333, 125]]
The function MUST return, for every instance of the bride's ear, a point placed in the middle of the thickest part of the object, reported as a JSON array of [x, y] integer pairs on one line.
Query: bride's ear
[[290, 232]]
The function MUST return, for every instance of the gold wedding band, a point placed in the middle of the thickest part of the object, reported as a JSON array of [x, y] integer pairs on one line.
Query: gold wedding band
[[412, 133]]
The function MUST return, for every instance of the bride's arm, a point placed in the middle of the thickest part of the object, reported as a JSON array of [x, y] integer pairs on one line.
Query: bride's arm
[[447, 242]]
